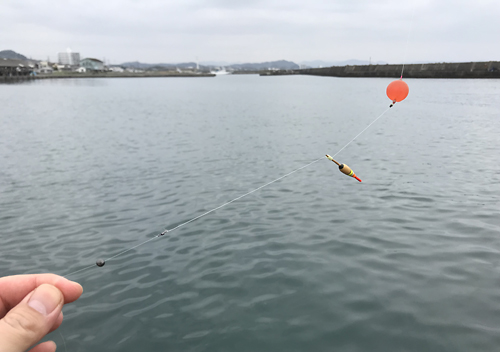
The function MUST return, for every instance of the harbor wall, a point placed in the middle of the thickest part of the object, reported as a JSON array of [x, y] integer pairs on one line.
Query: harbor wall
[[490, 69]]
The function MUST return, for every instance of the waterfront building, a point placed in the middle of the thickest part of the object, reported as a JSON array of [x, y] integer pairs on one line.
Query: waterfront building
[[61, 68], [12, 67], [44, 67], [92, 64], [116, 69], [133, 70]]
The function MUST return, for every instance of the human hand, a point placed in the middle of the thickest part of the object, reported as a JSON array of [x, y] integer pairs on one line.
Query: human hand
[[31, 307]]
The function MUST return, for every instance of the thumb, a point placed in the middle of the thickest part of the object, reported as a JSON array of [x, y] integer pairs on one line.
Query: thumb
[[29, 321]]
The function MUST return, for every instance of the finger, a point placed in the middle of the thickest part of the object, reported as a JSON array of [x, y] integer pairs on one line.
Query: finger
[[24, 325], [48, 346], [58, 323], [13, 289]]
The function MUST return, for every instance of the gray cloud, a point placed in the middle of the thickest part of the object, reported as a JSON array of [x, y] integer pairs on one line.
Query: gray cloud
[[253, 30]]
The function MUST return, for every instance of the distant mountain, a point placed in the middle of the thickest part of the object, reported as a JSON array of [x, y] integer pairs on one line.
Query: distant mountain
[[144, 66], [320, 63], [10, 54]]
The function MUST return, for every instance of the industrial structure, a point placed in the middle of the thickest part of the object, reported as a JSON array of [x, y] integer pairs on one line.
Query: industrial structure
[[69, 58]]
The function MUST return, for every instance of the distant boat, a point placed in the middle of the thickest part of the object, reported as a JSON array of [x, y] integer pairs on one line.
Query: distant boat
[[220, 72]]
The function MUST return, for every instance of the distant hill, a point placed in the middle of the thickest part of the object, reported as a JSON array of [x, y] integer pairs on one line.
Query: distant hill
[[216, 63], [320, 63], [10, 54], [269, 65], [137, 64], [144, 66], [281, 65]]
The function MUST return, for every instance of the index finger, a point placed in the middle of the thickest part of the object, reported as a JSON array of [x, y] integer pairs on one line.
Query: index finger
[[13, 289]]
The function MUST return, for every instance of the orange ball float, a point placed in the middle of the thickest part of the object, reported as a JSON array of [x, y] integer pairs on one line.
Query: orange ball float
[[397, 90]]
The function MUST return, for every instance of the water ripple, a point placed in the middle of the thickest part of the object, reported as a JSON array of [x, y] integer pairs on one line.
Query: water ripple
[[407, 260]]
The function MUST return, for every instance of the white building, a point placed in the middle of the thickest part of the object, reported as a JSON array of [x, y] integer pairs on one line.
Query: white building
[[133, 70], [69, 58], [44, 67], [116, 69], [92, 64]]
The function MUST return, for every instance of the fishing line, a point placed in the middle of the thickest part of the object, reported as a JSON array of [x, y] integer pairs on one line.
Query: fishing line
[[406, 46], [64, 341], [102, 262]]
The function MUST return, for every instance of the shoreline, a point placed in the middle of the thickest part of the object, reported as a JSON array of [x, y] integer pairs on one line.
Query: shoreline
[[101, 75], [464, 70]]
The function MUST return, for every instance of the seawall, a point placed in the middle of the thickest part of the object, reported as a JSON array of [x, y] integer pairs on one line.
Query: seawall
[[490, 69]]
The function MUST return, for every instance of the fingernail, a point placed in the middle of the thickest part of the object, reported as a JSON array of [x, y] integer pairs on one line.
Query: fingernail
[[45, 299]]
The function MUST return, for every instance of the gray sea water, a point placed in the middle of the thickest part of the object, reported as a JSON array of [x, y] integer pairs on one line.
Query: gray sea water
[[407, 260]]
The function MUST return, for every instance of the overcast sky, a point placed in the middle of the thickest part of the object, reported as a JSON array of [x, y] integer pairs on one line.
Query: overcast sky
[[169, 31]]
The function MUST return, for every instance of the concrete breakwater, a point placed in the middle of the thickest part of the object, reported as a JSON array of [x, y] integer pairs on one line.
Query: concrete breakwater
[[490, 69]]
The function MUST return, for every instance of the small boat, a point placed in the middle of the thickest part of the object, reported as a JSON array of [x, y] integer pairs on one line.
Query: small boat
[[220, 72]]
